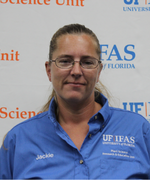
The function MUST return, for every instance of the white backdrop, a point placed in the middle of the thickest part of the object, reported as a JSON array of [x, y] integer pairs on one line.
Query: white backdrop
[[26, 27]]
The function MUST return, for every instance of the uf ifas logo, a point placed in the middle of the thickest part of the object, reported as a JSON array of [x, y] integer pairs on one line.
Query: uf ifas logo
[[114, 53], [142, 108], [135, 2], [118, 138], [118, 59]]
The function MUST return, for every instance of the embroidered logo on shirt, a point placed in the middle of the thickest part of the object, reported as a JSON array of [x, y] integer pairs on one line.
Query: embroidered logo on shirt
[[119, 153], [45, 156], [119, 140]]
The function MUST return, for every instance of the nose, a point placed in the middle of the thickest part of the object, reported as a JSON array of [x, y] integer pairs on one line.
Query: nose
[[76, 70]]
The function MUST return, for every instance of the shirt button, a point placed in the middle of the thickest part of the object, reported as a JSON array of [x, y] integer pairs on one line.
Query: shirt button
[[90, 135], [95, 117], [81, 161]]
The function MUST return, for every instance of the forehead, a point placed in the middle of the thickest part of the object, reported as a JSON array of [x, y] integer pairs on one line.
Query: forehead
[[76, 45]]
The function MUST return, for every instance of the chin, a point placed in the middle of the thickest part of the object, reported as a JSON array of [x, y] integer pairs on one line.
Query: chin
[[74, 99]]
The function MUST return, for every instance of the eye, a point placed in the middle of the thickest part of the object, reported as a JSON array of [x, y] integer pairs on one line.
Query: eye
[[64, 60], [88, 61]]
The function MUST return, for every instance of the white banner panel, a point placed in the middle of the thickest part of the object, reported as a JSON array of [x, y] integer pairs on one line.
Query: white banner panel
[[27, 26]]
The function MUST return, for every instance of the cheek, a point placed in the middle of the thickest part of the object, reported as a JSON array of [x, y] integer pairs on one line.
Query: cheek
[[92, 78], [94, 75], [58, 76], [54, 77]]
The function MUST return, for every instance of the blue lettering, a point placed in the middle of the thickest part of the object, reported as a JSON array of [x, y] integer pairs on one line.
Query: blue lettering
[[131, 106], [129, 52], [125, 106], [135, 8], [136, 2], [121, 66], [130, 8], [115, 54], [128, 2], [137, 109], [124, 9], [105, 52], [131, 1], [133, 66]]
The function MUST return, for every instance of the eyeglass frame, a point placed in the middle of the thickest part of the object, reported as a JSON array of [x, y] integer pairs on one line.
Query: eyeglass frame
[[73, 62]]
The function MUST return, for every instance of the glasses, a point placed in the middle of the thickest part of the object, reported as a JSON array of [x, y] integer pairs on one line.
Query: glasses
[[67, 62]]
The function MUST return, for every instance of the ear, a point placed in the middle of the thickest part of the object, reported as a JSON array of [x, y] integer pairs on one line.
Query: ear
[[48, 70], [99, 71]]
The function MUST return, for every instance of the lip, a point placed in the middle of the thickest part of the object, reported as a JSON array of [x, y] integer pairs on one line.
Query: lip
[[76, 83]]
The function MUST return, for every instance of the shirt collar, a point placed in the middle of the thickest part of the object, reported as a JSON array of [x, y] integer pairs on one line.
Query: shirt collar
[[52, 111], [105, 110], [101, 99]]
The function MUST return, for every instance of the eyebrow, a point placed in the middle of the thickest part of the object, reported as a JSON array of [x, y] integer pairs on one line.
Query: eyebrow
[[70, 56], [65, 55]]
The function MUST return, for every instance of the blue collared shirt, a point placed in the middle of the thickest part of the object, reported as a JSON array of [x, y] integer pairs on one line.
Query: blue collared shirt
[[117, 146]]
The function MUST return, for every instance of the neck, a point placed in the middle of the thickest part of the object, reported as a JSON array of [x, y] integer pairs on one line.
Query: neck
[[76, 114]]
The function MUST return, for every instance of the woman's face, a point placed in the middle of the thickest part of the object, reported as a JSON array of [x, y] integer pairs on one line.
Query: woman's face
[[76, 84]]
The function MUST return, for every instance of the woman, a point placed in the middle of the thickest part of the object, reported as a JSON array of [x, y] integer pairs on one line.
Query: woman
[[78, 136]]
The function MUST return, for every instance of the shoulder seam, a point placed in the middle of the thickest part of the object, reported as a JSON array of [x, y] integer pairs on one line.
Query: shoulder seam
[[30, 119], [119, 109]]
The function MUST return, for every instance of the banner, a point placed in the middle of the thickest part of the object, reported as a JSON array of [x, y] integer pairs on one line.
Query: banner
[[122, 27]]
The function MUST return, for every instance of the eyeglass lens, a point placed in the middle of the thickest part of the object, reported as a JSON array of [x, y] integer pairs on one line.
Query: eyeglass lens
[[88, 63]]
